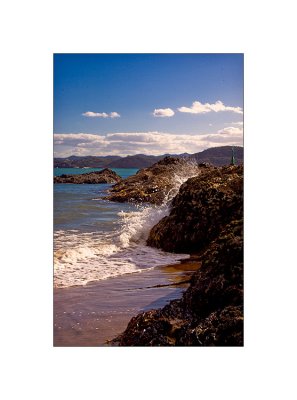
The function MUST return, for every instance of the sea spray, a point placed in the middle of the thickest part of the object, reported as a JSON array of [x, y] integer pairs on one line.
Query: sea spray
[[136, 225], [82, 257], [187, 169]]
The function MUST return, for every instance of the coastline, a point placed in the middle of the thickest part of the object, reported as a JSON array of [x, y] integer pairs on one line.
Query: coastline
[[210, 311], [92, 315], [150, 308]]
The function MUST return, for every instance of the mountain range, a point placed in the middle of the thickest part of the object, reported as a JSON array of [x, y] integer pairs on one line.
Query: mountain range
[[216, 156]]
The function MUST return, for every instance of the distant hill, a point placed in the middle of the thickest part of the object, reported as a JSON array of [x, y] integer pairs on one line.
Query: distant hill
[[217, 156], [87, 161], [137, 161]]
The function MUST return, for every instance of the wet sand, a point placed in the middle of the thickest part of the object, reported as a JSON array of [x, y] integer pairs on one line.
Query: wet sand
[[93, 314]]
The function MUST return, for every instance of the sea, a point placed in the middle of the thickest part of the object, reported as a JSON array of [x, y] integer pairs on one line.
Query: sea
[[97, 239]]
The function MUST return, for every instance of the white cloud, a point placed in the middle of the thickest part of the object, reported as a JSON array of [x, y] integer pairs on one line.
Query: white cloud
[[199, 108], [143, 142], [148, 137], [114, 114], [227, 136], [240, 123], [230, 130], [95, 114], [92, 114], [163, 112], [77, 137]]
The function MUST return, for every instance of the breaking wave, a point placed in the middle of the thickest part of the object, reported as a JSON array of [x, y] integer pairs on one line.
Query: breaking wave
[[83, 257]]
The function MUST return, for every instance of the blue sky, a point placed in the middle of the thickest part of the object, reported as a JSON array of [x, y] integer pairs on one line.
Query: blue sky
[[146, 103]]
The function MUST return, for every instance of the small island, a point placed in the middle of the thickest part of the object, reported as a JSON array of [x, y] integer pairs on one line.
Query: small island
[[104, 176]]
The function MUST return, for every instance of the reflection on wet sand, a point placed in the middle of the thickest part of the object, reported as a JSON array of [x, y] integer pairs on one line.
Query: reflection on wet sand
[[92, 314]]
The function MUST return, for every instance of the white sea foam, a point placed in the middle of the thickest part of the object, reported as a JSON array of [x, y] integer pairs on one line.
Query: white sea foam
[[82, 257]]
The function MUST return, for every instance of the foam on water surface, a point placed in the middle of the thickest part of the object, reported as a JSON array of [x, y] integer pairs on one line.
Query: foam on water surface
[[82, 257]]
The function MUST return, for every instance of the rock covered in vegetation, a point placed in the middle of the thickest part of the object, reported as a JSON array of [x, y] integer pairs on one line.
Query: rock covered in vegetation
[[153, 184], [104, 176], [203, 207], [210, 313]]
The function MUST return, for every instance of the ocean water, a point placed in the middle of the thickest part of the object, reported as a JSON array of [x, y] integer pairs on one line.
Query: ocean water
[[97, 239], [123, 172]]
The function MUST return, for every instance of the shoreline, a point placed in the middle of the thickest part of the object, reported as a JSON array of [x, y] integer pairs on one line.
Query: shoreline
[[94, 314]]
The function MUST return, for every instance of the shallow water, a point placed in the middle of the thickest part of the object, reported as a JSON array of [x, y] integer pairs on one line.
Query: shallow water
[[97, 239], [93, 314], [104, 274], [122, 172]]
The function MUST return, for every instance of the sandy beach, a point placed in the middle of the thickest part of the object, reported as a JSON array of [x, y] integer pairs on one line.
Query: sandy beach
[[91, 315]]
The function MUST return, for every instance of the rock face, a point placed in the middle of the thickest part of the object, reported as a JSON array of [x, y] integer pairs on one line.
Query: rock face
[[210, 312], [206, 216], [104, 176], [203, 206], [153, 184]]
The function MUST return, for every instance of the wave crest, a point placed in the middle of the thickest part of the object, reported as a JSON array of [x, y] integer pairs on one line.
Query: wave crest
[[82, 257]]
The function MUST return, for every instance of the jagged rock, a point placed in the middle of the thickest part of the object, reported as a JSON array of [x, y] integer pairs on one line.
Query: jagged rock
[[104, 176], [210, 313], [206, 216], [201, 209], [220, 328], [153, 184], [221, 275], [203, 165]]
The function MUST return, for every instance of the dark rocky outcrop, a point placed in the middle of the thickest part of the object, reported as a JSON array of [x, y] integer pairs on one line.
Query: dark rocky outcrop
[[154, 183], [210, 313], [104, 176], [207, 218], [203, 206]]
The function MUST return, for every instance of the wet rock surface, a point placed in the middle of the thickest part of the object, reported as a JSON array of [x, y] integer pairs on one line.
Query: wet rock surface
[[206, 216], [153, 184], [104, 176], [210, 313], [203, 206]]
